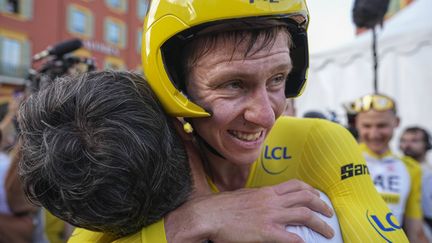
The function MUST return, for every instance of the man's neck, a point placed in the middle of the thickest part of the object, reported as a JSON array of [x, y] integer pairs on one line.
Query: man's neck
[[382, 152], [376, 153], [226, 175]]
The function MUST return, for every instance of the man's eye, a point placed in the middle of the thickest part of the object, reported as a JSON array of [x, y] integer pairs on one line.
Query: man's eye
[[277, 80], [233, 85]]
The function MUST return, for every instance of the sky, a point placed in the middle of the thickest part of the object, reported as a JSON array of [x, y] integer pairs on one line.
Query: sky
[[330, 24]]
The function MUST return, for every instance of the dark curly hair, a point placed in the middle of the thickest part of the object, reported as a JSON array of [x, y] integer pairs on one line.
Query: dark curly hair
[[99, 152]]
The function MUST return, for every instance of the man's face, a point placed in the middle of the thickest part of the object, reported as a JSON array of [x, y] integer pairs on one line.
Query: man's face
[[413, 144], [376, 128], [244, 94]]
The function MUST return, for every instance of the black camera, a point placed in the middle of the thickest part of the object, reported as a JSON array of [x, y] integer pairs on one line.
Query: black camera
[[58, 63]]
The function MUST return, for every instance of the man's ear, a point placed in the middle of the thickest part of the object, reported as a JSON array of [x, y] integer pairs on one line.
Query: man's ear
[[397, 121], [184, 129], [201, 186]]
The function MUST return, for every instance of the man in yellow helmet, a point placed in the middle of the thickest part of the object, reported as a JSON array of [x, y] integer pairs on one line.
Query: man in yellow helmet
[[397, 179], [226, 67]]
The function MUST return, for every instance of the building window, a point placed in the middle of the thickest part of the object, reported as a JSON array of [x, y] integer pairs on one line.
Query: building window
[[115, 32], [11, 54], [80, 21], [114, 63], [12, 6], [119, 6], [142, 7], [21, 9], [14, 54], [139, 39]]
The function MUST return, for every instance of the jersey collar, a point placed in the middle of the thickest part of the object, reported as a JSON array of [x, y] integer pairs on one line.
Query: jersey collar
[[365, 149]]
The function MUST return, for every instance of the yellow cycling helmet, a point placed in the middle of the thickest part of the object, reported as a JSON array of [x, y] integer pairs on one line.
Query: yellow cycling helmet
[[171, 23]]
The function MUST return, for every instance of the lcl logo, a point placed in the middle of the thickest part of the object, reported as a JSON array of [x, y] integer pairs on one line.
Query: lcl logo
[[276, 153], [391, 224], [273, 154], [383, 225]]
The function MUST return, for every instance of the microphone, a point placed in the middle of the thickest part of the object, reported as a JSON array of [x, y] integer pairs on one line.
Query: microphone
[[59, 49], [369, 13]]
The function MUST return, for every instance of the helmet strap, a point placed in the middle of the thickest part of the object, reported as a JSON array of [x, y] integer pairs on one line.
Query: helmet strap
[[202, 143]]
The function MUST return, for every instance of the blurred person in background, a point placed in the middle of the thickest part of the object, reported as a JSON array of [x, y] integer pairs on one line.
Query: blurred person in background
[[329, 115], [397, 179], [4, 166], [314, 114], [20, 221], [351, 115], [416, 142]]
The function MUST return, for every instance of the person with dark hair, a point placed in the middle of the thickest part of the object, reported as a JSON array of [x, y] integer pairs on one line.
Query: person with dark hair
[[314, 114], [397, 179], [99, 152], [350, 118], [416, 142], [226, 68]]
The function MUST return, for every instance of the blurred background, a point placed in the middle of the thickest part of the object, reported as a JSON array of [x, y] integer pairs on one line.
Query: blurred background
[[43, 39]]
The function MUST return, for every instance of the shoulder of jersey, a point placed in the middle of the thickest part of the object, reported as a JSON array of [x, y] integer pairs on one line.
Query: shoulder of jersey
[[410, 162], [287, 122]]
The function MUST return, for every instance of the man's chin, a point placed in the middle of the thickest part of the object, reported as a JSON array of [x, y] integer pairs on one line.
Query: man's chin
[[246, 160], [378, 149], [410, 153]]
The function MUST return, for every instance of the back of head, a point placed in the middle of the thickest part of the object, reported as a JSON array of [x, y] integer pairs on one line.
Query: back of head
[[99, 152], [314, 114]]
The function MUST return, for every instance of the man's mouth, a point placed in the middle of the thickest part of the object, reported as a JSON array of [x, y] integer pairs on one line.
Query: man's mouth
[[248, 137]]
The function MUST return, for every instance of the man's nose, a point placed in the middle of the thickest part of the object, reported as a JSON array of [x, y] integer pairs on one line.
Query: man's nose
[[374, 132], [259, 109]]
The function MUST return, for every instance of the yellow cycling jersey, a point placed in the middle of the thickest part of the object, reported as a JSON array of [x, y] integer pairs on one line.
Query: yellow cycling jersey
[[54, 228], [324, 155], [398, 180]]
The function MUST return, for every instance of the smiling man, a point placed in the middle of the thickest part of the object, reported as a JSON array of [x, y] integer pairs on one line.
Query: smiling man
[[398, 180], [245, 95]]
